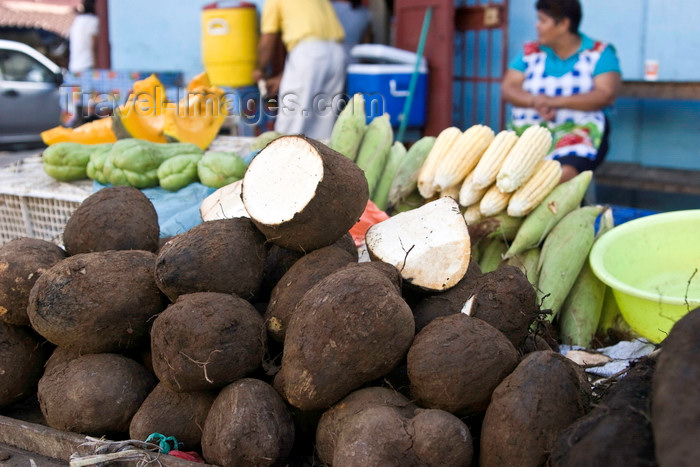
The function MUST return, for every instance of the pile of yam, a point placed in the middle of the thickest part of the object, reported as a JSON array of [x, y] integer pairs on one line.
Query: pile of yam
[[264, 340]]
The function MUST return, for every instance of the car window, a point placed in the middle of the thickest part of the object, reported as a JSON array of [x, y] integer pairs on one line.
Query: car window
[[18, 66]]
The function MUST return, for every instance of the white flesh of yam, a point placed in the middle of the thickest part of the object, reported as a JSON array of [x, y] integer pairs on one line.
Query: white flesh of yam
[[224, 203], [429, 245], [282, 182]]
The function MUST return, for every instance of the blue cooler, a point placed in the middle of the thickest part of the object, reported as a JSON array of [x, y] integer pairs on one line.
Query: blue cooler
[[383, 75]]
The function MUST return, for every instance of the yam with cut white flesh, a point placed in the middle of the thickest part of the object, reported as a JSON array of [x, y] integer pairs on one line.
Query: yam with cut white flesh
[[224, 203], [430, 245], [302, 194]]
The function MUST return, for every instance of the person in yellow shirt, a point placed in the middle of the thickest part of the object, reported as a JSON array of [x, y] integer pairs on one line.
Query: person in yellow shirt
[[314, 71]]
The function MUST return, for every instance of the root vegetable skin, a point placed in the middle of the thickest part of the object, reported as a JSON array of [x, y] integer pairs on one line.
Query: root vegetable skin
[[478, 355], [350, 328], [675, 395], [531, 406], [429, 245]]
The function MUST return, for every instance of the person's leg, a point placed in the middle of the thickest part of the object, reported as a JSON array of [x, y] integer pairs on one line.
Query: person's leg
[[292, 92], [328, 87]]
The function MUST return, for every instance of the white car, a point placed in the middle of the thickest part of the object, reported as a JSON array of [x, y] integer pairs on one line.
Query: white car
[[29, 93]]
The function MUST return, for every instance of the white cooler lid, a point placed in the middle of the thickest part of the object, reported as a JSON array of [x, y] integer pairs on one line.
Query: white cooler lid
[[386, 54], [383, 69]]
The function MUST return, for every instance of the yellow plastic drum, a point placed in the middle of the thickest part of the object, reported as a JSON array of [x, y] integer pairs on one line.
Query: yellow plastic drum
[[229, 43], [652, 265]]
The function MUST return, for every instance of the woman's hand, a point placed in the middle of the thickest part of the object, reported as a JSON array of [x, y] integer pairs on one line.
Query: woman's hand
[[543, 105]]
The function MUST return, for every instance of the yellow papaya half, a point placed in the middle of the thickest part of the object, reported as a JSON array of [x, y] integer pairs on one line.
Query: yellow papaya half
[[197, 118], [198, 82], [143, 114], [95, 132]]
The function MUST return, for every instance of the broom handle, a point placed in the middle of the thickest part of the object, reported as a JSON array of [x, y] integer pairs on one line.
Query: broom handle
[[414, 76]]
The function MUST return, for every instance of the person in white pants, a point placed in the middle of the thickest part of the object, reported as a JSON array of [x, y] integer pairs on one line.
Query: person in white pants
[[313, 80]]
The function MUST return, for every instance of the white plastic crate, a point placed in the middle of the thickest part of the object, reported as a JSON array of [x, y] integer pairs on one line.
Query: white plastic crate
[[32, 204]]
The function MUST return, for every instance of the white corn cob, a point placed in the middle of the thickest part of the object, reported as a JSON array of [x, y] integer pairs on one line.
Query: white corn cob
[[472, 215], [532, 146], [443, 145], [493, 202], [531, 193], [463, 157], [490, 163], [469, 195], [452, 192]]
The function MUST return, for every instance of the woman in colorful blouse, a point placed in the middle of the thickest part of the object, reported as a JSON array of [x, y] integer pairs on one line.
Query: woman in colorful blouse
[[564, 80]]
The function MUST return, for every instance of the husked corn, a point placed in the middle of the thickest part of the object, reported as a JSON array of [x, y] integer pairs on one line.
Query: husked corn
[[463, 157], [490, 163], [536, 188], [472, 214], [493, 202], [532, 146], [469, 195], [452, 192], [441, 148]]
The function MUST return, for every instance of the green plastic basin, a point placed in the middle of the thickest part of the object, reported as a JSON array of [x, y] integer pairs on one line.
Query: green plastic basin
[[652, 265]]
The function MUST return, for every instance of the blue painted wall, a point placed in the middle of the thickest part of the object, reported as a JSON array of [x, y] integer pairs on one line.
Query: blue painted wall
[[651, 132], [157, 35]]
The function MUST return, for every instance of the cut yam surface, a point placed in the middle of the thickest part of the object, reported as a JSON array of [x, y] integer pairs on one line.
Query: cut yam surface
[[302, 194], [430, 245]]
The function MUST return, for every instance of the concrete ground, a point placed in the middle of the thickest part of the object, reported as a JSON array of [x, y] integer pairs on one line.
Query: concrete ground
[[13, 457]]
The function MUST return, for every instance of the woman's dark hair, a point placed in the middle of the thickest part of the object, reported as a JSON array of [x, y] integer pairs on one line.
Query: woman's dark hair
[[560, 9], [356, 3], [89, 7]]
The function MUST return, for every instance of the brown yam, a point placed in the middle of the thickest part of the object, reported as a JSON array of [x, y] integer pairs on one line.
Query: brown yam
[[206, 340], [114, 218], [347, 243], [97, 302], [94, 394], [456, 362], [441, 438], [375, 436], [507, 301], [59, 356], [381, 436], [350, 328], [618, 429], [302, 194], [335, 418], [248, 424], [277, 263], [22, 261], [303, 275], [545, 394], [449, 302], [226, 255], [22, 360], [179, 414], [675, 413]]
